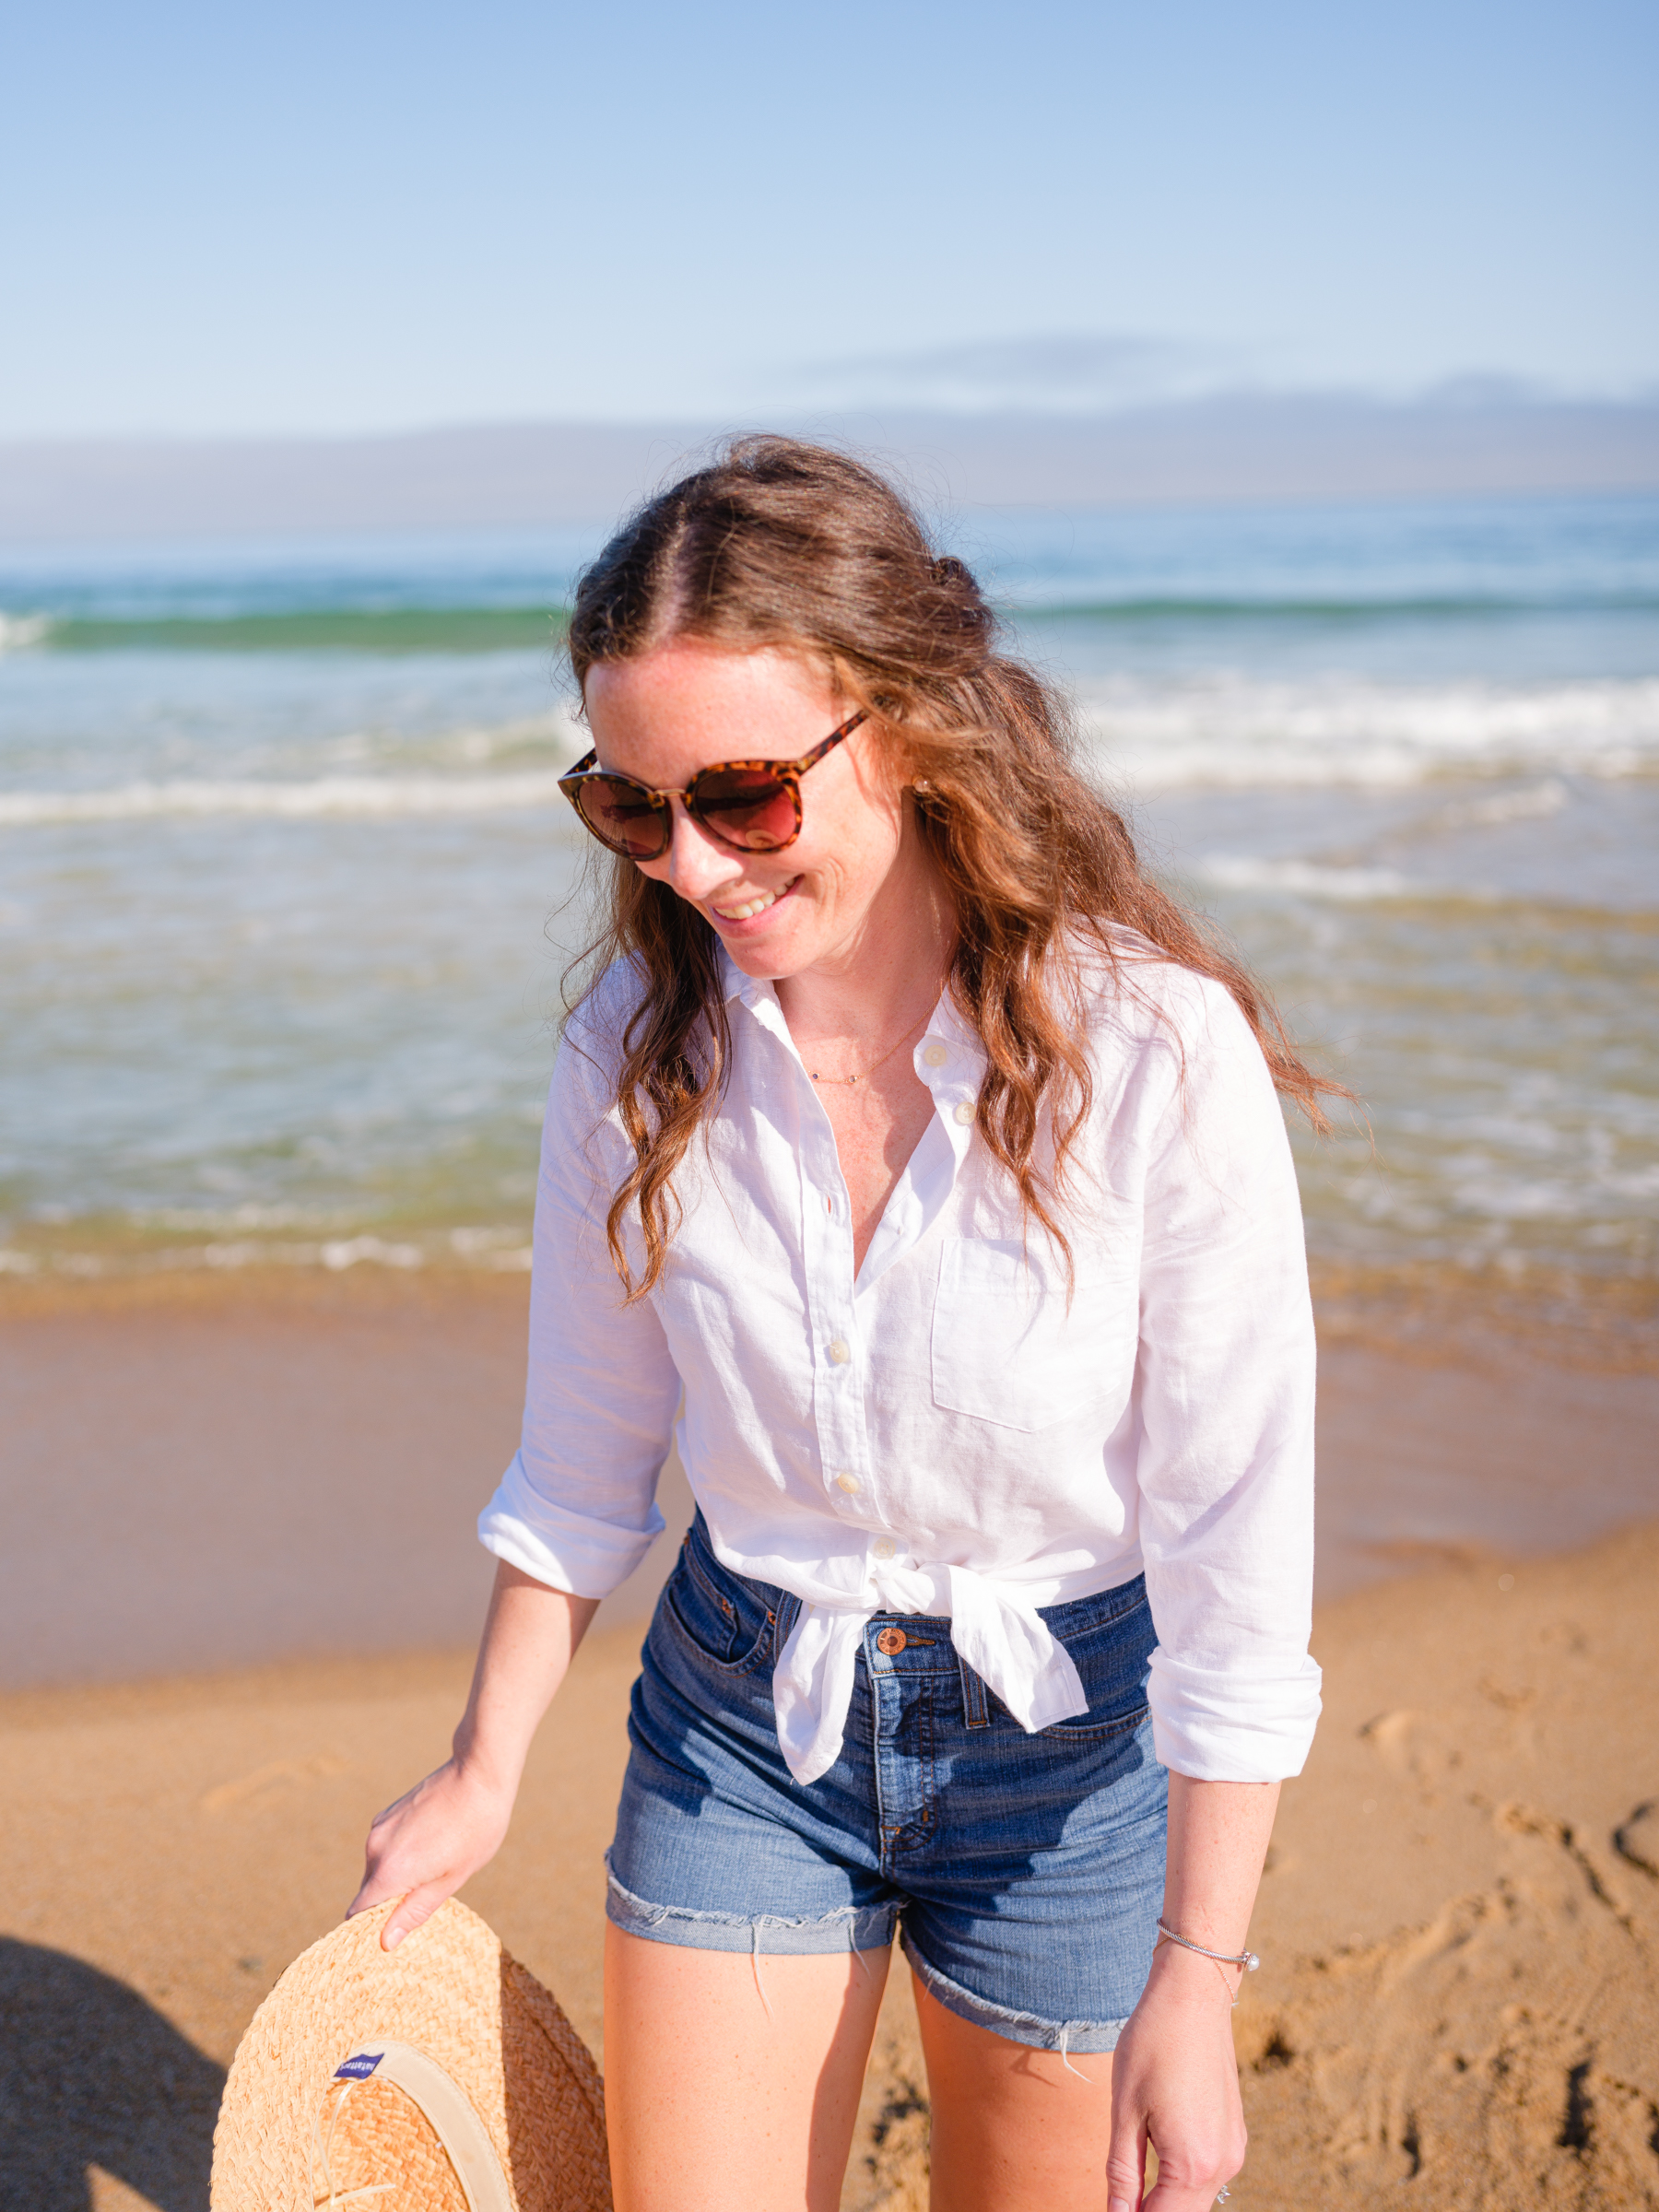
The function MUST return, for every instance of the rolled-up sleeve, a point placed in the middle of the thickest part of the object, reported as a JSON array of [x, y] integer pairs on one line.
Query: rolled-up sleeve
[[1226, 1409], [576, 1509]]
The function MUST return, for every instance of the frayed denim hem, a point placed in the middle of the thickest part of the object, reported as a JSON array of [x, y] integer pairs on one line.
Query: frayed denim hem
[[1029, 2027], [848, 1928]]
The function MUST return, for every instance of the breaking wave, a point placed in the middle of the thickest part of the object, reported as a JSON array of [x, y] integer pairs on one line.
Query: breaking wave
[[1236, 732]]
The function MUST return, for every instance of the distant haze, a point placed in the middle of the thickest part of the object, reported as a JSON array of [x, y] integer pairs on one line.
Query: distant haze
[[1214, 447]]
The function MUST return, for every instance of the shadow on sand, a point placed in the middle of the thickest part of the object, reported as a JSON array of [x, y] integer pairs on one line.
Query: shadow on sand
[[90, 2074]]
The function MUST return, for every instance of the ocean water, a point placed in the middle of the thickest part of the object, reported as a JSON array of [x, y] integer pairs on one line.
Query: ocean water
[[286, 887]]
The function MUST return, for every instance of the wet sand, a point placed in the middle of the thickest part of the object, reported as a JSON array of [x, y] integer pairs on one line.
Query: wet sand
[[1461, 1914], [203, 1472]]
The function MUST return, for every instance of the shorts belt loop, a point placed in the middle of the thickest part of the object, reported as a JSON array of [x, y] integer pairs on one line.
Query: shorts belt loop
[[975, 1711]]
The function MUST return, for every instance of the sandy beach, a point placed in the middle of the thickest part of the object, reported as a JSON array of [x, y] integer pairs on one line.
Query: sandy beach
[[238, 1589]]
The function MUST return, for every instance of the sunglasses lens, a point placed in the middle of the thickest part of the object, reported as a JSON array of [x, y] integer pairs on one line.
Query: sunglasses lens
[[620, 816], [747, 806]]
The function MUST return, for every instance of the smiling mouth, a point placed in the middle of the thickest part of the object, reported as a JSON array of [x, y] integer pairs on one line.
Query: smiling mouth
[[751, 907]]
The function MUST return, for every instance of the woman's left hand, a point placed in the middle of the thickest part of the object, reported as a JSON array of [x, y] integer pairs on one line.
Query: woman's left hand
[[1175, 2084]]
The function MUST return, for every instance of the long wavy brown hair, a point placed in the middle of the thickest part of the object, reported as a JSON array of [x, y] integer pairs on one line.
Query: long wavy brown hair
[[792, 545]]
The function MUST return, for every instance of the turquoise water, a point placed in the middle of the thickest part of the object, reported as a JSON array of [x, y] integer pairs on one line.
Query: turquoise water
[[286, 888]]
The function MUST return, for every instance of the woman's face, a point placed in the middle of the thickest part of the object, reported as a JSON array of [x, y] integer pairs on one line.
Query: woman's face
[[856, 866]]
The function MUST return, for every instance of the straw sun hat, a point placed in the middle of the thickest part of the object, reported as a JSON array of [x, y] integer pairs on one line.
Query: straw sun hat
[[437, 2078]]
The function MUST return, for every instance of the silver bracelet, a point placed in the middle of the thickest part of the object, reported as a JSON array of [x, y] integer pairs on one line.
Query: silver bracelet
[[1247, 1960]]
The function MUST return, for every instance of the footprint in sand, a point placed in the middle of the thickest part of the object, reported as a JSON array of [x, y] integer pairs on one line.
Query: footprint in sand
[[1638, 1840], [271, 1780], [1390, 1735]]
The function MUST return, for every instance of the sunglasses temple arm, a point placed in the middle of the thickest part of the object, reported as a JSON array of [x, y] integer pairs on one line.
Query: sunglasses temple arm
[[811, 759]]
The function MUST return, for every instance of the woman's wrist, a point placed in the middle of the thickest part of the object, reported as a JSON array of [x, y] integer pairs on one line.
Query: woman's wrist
[[1191, 1977], [490, 1770]]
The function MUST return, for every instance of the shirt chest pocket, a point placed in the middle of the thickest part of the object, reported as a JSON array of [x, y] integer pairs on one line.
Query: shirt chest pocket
[[1008, 1348]]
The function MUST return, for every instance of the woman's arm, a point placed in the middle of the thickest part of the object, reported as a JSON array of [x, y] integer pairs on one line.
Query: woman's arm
[[1174, 2077], [1226, 1516], [442, 1831]]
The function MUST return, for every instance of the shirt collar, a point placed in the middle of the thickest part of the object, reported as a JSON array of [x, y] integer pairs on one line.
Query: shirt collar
[[738, 985], [949, 1023]]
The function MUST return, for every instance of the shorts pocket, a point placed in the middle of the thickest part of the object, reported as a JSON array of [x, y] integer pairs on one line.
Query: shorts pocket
[[1111, 1654], [726, 1622]]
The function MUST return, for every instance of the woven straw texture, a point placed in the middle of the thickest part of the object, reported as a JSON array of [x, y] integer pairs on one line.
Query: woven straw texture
[[452, 1992], [379, 2134]]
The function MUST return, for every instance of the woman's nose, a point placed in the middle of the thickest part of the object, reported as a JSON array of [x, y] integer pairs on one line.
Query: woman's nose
[[695, 866]]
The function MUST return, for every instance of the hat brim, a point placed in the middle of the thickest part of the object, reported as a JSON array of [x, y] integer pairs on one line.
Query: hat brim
[[465, 2089]]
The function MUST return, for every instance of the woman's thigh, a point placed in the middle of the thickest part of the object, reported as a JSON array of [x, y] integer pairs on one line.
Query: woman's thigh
[[722, 2088], [731, 2080], [1014, 2129]]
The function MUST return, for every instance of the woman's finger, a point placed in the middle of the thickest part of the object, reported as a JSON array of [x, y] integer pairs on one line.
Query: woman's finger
[[386, 1872], [374, 1890], [415, 1910], [1189, 2186], [1125, 2160]]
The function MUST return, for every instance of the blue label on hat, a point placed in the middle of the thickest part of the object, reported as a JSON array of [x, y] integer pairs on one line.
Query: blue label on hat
[[361, 2067]]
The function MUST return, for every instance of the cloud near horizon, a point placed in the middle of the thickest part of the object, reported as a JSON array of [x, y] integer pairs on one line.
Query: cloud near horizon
[[1106, 372], [1063, 372]]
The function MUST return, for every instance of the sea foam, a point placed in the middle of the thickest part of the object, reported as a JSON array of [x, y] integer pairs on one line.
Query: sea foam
[[361, 798], [1308, 879], [1237, 732], [17, 632], [1219, 730]]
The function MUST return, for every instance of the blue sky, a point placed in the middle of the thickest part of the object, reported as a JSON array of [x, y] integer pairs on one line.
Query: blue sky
[[356, 215]]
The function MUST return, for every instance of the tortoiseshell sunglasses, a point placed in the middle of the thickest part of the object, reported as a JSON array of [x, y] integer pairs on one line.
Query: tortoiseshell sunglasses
[[752, 806]]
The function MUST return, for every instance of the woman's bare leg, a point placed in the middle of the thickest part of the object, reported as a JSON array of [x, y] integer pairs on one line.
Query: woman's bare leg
[[1013, 2129], [712, 2102]]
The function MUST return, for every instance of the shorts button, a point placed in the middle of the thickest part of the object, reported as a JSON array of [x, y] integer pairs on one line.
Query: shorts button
[[884, 1548], [964, 1113], [891, 1641]]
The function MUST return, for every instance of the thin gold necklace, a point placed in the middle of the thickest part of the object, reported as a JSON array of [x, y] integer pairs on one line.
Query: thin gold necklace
[[886, 1056]]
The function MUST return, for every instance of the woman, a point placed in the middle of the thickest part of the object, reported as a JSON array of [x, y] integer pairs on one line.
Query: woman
[[931, 1156]]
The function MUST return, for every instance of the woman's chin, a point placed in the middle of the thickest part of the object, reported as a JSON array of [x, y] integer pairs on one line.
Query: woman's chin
[[771, 955], [767, 963]]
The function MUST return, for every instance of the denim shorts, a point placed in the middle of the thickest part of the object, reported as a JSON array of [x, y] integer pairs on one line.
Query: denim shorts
[[1025, 1873]]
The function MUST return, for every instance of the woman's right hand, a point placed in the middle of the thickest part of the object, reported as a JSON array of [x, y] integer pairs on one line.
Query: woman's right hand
[[422, 1847], [441, 1832]]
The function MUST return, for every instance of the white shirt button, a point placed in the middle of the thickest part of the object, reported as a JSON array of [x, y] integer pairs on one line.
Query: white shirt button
[[935, 1056], [965, 1112], [849, 1483], [839, 1350], [885, 1548]]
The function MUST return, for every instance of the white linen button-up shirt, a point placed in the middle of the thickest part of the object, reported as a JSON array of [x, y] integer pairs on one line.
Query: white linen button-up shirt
[[947, 1432]]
